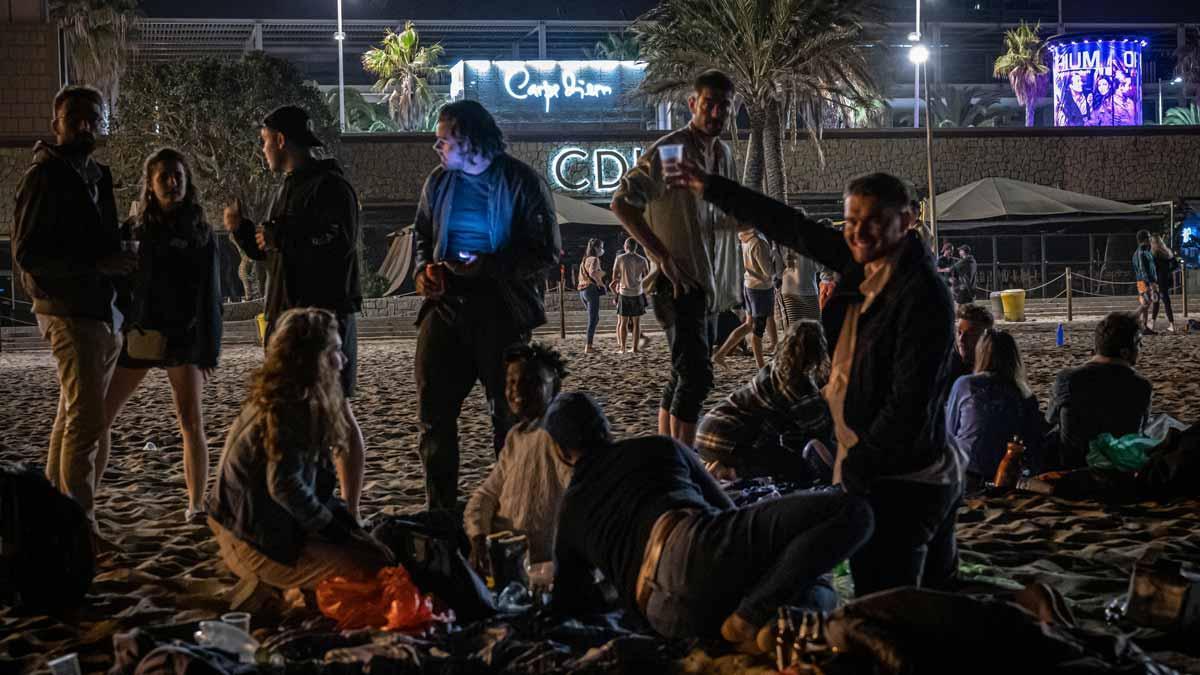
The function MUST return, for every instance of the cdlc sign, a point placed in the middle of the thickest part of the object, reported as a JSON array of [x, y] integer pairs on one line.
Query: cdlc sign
[[597, 171]]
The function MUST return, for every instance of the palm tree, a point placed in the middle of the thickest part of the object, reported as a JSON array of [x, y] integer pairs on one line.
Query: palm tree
[[1023, 64], [97, 39], [405, 68], [964, 107], [1187, 60], [1189, 116], [616, 47], [361, 114], [787, 58]]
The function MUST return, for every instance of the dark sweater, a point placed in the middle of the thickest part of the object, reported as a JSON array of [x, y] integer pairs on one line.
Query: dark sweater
[[1093, 399], [615, 495]]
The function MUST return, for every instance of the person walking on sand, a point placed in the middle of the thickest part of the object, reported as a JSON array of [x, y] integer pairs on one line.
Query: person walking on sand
[[309, 241], [697, 269], [486, 235], [174, 321], [759, 262], [629, 270], [591, 287], [1146, 274], [1165, 264], [68, 253]]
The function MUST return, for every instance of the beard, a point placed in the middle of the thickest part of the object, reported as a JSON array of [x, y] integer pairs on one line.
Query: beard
[[83, 144]]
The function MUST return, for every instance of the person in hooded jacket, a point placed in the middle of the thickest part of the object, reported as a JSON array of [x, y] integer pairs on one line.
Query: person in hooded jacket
[[174, 320], [309, 241]]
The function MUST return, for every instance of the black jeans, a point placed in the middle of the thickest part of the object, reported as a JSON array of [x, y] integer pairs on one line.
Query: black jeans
[[914, 543], [754, 559], [591, 300], [460, 341], [685, 320]]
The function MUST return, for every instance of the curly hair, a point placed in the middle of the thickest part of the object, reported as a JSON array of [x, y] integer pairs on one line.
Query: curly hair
[[297, 390], [472, 122], [541, 354], [803, 352]]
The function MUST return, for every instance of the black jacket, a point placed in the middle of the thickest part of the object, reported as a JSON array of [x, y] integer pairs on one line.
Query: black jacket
[[517, 271], [314, 216], [902, 359], [176, 289], [59, 234]]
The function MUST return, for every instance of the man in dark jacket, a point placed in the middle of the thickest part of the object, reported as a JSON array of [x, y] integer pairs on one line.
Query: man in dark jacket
[[67, 251], [486, 234], [890, 325], [310, 244]]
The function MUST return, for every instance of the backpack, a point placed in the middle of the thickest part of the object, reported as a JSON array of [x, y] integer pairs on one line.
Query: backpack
[[46, 558]]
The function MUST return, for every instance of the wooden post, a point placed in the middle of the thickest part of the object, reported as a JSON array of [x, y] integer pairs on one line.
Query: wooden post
[[1070, 307], [1044, 279], [995, 265], [562, 308], [1185, 280]]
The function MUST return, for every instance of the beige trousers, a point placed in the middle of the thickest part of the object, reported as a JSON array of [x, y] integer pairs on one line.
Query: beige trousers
[[319, 559]]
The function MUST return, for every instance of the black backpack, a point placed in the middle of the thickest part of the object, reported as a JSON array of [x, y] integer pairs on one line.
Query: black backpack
[[46, 558]]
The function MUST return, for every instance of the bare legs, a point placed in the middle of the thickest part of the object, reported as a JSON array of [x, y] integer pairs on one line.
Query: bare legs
[[621, 324], [352, 463], [734, 339], [637, 331]]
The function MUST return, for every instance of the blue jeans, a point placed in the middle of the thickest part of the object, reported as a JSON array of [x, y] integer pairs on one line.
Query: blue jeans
[[591, 299], [754, 559]]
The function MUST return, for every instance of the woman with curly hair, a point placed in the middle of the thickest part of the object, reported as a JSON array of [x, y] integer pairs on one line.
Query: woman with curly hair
[[272, 510], [174, 312]]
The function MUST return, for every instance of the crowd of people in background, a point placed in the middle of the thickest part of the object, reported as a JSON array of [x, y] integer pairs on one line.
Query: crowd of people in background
[[881, 394]]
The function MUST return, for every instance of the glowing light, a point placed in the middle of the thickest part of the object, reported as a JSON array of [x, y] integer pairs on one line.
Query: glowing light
[[918, 54]]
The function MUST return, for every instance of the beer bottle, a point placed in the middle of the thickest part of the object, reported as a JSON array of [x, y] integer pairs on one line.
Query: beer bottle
[[1010, 466]]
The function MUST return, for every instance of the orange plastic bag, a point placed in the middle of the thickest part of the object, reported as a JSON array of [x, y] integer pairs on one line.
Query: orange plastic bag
[[390, 601]]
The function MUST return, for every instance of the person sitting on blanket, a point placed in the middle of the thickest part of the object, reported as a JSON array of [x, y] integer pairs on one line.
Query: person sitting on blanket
[[526, 484], [764, 425], [645, 513], [272, 510]]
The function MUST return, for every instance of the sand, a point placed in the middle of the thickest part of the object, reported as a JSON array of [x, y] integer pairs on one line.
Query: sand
[[169, 571]]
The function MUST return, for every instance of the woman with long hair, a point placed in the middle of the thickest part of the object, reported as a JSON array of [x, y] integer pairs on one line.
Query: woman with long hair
[[591, 286], [1165, 264], [174, 311], [272, 510], [988, 408]]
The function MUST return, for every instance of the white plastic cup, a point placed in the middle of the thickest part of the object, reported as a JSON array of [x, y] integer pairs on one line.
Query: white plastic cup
[[130, 245], [65, 665], [238, 620], [670, 155]]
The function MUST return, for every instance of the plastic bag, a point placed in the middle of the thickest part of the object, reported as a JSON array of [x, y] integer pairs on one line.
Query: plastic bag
[[1127, 453], [389, 601]]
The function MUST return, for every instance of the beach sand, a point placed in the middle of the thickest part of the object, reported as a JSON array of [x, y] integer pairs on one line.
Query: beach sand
[[169, 571]]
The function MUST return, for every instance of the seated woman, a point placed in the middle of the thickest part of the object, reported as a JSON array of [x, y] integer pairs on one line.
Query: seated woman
[[763, 427], [987, 409], [527, 482], [272, 509]]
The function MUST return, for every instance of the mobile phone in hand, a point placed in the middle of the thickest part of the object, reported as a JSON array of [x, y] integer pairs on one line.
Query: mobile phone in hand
[[467, 257]]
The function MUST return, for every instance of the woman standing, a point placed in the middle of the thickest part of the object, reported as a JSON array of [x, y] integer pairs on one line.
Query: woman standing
[[591, 287], [1165, 264], [174, 322], [272, 510]]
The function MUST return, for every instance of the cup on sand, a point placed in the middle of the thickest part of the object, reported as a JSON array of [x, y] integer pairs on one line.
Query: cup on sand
[[239, 620], [670, 155], [65, 665]]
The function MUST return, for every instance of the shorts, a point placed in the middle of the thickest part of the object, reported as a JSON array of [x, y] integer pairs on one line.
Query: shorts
[[1147, 292], [760, 302], [348, 331], [631, 305]]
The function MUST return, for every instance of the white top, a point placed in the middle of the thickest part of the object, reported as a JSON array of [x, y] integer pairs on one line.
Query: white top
[[629, 270], [759, 263]]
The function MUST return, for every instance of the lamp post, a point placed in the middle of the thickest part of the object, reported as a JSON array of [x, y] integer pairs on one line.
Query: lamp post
[[1160, 103], [340, 36], [919, 55]]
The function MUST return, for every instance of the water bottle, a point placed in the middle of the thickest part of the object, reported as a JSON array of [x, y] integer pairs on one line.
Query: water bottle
[[1061, 338], [227, 638], [150, 447], [514, 599]]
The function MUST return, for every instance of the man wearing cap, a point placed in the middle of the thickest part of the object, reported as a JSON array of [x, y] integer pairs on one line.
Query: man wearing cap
[[309, 241]]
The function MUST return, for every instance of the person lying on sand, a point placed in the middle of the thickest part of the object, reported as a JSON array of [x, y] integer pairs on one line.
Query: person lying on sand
[[764, 425], [647, 515], [526, 485], [272, 510]]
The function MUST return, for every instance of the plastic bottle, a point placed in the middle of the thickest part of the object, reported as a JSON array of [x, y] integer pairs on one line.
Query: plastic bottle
[[1061, 338], [514, 599], [150, 447], [227, 638], [1010, 466]]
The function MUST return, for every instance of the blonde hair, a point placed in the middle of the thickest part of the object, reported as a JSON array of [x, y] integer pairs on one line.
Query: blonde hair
[[803, 351], [297, 390], [997, 353]]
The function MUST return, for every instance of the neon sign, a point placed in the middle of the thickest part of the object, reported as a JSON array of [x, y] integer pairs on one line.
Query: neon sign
[[586, 92], [1097, 81], [518, 86], [591, 171]]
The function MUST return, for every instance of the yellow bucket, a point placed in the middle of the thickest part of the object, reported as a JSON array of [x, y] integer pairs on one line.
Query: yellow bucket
[[1014, 304], [261, 322]]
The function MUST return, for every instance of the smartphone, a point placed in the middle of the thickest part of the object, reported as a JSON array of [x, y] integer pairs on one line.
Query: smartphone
[[467, 257]]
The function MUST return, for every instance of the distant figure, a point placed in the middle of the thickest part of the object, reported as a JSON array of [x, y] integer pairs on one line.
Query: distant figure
[[591, 287], [272, 509], [1146, 273], [1101, 103], [963, 276], [990, 407], [759, 294], [970, 321], [1125, 103], [629, 270], [524, 489], [1104, 395], [1165, 265], [1074, 104], [646, 514]]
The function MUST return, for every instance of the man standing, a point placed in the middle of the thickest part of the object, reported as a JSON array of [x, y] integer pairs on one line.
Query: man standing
[[694, 247], [890, 324], [963, 276], [486, 234], [629, 270], [67, 251], [310, 244], [1147, 280]]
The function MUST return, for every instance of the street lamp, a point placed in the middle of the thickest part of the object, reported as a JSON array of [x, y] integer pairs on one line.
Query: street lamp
[[919, 55], [1177, 80], [340, 36]]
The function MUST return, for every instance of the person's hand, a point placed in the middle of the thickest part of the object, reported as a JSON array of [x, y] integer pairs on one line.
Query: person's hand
[[721, 471], [366, 540], [232, 216], [479, 555], [431, 282], [681, 282], [688, 176], [118, 264], [467, 268], [260, 238]]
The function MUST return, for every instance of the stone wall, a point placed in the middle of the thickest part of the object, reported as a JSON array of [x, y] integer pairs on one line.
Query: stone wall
[[28, 76]]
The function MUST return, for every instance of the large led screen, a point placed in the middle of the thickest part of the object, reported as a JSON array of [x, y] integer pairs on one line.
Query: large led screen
[[1097, 82]]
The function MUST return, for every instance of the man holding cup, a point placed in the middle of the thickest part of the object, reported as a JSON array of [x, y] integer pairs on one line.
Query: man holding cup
[[697, 269], [68, 253]]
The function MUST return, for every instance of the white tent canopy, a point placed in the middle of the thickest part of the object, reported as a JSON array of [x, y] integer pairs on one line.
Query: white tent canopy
[[574, 211], [1007, 198]]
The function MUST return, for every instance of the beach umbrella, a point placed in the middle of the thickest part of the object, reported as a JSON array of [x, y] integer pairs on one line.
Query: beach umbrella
[[576, 211], [1003, 201]]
